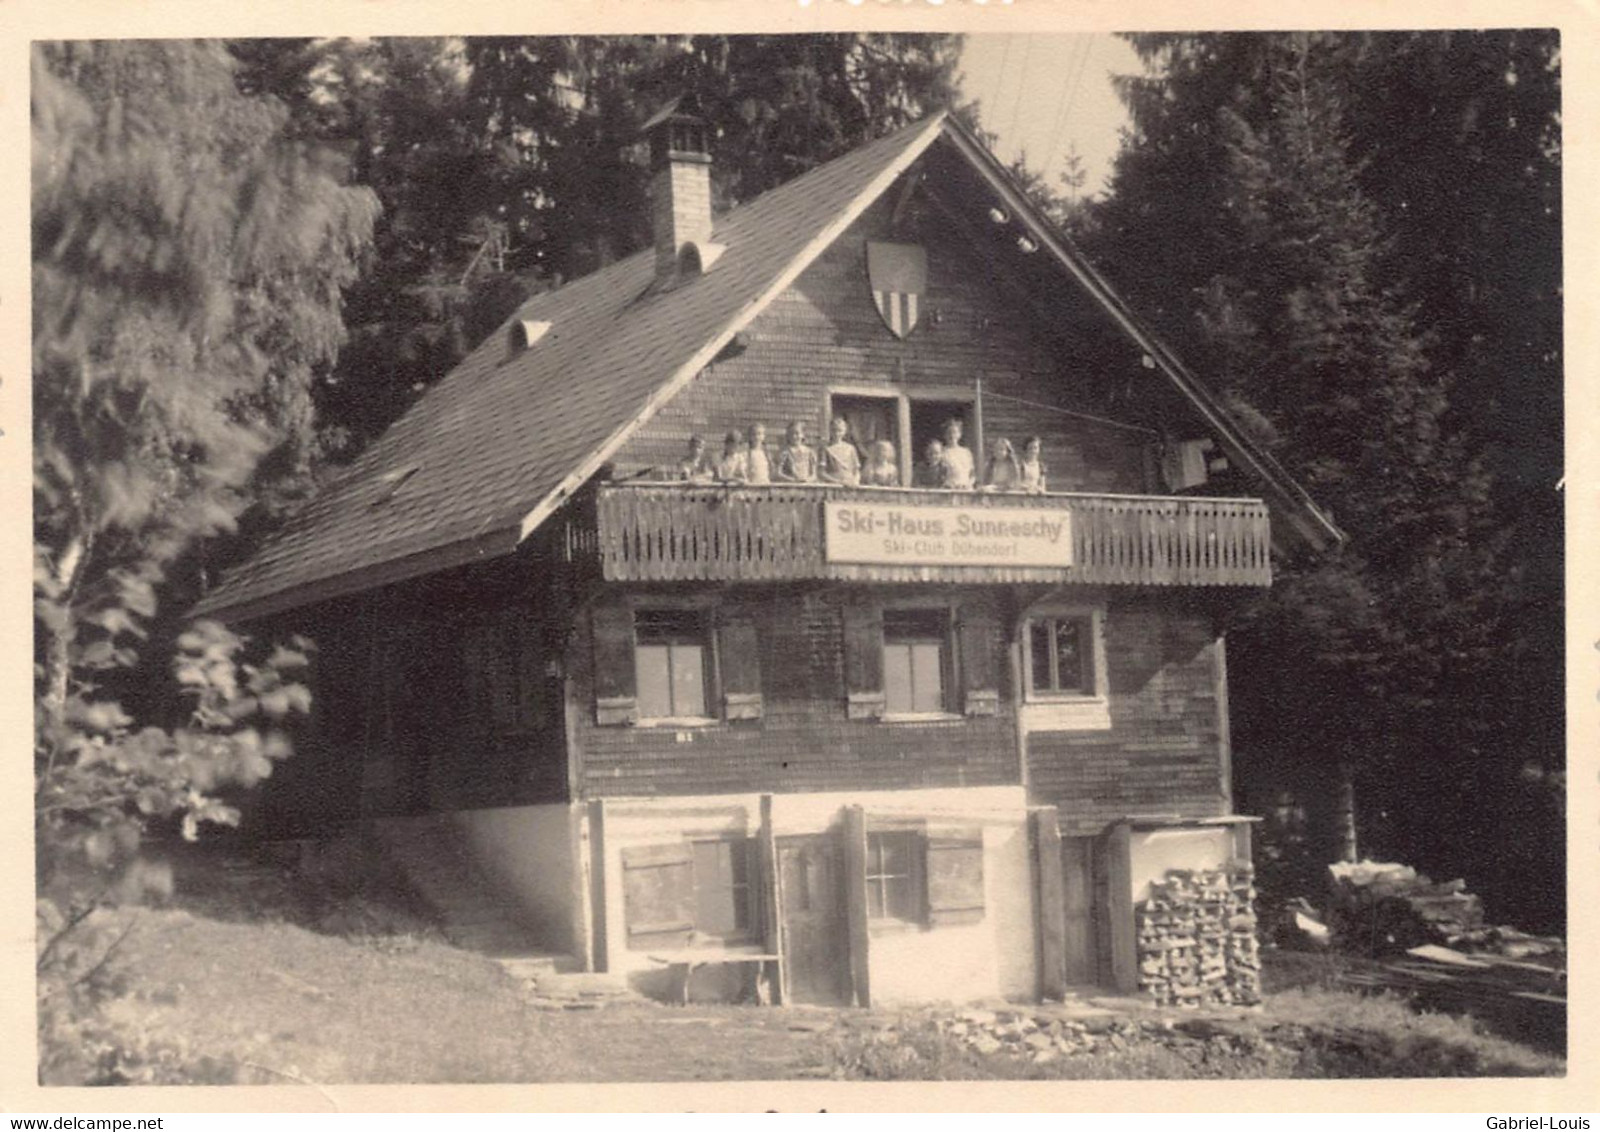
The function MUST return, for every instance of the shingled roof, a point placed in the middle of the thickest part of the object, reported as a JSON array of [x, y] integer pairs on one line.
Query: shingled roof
[[492, 450]]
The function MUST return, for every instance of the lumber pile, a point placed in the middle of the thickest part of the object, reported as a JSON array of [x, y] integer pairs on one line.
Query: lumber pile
[[1383, 908], [1196, 939]]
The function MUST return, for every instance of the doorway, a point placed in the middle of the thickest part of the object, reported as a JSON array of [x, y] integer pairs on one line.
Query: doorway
[[811, 893], [1081, 943]]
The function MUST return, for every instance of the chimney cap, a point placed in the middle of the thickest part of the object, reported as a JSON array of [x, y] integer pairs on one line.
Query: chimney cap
[[684, 107]]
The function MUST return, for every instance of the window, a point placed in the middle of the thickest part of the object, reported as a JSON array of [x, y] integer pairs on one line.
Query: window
[[677, 893], [906, 419], [722, 888], [916, 661], [1064, 657], [894, 881], [671, 662], [925, 876], [1061, 655]]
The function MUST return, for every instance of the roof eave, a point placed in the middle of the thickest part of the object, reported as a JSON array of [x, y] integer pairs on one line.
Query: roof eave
[[1306, 519]]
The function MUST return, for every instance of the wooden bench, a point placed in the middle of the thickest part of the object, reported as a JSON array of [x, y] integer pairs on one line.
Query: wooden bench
[[683, 964]]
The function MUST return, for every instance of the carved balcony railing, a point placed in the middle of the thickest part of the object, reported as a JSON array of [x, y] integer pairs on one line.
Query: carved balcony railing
[[647, 531]]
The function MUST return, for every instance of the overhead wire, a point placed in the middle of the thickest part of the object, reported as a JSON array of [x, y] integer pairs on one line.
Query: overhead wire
[[1022, 84], [1076, 81]]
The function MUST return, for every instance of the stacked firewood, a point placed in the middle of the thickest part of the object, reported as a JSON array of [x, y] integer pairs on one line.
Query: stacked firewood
[[1196, 941], [1380, 908]]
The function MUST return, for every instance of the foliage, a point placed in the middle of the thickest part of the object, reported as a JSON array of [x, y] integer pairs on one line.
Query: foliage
[[188, 261], [1357, 236]]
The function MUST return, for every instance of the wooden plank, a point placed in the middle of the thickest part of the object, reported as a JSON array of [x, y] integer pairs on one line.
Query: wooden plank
[[600, 936], [1052, 907], [771, 897], [854, 832], [1077, 888], [1119, 909], [683, 532]]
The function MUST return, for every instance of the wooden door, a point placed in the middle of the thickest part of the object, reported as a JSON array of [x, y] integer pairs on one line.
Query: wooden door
[[1080, 942], [815, 940]]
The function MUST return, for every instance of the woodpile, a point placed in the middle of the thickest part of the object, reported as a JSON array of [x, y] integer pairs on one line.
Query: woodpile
[[1380, 908], [1196, 941]]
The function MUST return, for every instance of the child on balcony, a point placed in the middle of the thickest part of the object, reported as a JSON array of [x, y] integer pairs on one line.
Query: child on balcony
[[1003, 472], [840, 462], [758, 468], [960, 469], [733, 466], [1031, 473], [797, 463], [930, 473], [882, 469], [695, 467]]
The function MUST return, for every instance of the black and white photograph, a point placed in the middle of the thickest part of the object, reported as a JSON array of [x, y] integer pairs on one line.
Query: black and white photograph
[[817, 557]]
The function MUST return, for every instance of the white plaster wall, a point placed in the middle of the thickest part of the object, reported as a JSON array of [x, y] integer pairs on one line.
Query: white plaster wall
[[963, 962], [1153, 852], [993, 958], [526, 853]]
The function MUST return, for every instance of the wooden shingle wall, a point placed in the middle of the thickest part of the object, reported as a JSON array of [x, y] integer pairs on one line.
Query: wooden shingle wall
[[825, 331], [803, 742], [1162, 755]]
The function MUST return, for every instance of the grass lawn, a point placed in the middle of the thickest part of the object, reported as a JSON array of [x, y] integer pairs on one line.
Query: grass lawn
[[269, 1002]]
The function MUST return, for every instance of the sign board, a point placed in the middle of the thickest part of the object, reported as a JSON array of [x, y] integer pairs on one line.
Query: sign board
[[892, 534]]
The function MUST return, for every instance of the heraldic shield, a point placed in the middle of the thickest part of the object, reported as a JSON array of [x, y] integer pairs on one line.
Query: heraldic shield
[[899, 277]]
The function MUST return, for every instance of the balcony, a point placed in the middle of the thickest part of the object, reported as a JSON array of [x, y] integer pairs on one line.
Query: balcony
[[696, 532]]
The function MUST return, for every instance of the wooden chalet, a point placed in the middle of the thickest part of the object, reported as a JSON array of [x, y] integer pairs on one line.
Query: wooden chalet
[[892, 742]]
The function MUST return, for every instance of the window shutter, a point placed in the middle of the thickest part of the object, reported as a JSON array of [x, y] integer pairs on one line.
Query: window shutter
[[863, 659], [739, 660], [614, 694], [955, 876], [658, 894], [980, 671]]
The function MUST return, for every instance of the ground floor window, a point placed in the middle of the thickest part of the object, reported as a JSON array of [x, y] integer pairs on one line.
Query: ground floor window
[[894, 876], [680, 893], [722, 888]]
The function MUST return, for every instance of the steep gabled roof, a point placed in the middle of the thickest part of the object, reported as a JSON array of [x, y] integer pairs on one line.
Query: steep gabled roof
[[501, 441], [490, 452]]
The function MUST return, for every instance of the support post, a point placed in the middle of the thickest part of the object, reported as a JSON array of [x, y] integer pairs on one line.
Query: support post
[[1051, 904], [1119, 908], [855, 903], [597, 883], [771, 900]]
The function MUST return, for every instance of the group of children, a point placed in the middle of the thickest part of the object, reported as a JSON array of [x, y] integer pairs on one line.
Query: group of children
[[947, 463]]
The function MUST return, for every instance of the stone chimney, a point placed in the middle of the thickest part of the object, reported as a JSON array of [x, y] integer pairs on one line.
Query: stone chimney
[[680, 190]]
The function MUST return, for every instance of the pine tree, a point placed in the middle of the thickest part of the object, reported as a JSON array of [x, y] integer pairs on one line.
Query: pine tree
[[1337, 218]]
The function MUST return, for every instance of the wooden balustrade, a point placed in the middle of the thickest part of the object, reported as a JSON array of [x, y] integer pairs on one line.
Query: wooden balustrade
[[697, 532]]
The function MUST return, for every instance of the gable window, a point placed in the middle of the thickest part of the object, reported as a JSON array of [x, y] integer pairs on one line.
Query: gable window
[[1062, 655], [907, 419], [689, 892], [916, 661]]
